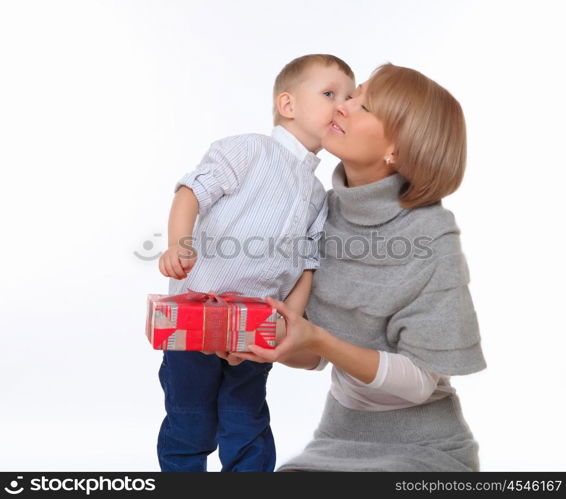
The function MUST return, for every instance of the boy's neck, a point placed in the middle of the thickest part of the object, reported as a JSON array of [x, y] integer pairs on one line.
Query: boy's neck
[[311, 144]]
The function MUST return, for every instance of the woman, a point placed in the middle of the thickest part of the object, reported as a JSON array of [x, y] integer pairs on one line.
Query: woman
[[390, 306]]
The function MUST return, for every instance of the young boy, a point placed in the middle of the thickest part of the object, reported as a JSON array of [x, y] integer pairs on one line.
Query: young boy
[[261, 205]]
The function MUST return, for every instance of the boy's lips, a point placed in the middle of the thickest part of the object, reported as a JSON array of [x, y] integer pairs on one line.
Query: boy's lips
[[335, 127]]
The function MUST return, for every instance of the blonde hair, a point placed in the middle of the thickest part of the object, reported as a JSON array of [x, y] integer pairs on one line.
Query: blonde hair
[[427, 126], [292, 74]]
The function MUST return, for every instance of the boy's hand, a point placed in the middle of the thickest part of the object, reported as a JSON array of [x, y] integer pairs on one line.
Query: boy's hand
[[228, 357], [177, 262]]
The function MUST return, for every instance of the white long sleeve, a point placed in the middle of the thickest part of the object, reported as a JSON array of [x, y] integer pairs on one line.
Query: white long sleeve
[[397, 375], [398, 383]]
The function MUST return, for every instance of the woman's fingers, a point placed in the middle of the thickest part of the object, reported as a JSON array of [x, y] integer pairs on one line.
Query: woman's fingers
[[279, 354], [266, 354], [280, 307], [250, 356], [280, 330]]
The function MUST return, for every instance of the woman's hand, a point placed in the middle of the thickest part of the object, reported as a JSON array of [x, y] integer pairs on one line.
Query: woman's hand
[[232, 357], [300, 335]]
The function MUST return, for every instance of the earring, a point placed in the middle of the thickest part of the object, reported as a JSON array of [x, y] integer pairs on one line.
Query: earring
[[388, 160]]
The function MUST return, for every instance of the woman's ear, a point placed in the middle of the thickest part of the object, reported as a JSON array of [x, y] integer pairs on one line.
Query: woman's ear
[[286, 105], [390, 157]]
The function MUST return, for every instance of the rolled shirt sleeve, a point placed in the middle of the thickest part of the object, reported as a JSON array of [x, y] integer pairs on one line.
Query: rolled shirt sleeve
[[314, 237], [438, 330], [220, 172]]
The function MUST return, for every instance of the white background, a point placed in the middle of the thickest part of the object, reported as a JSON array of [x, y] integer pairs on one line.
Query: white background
[[105, 104]]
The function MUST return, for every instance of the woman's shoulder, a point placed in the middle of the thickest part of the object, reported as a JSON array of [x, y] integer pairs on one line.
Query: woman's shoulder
[[434, 217], [434, 228], [434, 221]]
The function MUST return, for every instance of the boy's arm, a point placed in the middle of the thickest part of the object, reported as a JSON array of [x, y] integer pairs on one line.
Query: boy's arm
[[180, 257], [220, 172], [299, 296], [182, 217]]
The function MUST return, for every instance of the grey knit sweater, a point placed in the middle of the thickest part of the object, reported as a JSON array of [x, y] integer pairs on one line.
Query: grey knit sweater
[[394, 279]]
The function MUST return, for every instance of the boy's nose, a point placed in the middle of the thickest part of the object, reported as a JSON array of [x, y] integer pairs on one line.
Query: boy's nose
[[342, 108]]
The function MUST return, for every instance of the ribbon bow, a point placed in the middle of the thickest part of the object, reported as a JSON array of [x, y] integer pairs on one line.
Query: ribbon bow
[[211, 298]]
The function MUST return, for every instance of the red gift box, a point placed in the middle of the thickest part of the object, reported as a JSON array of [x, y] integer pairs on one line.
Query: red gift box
[[210, 322]]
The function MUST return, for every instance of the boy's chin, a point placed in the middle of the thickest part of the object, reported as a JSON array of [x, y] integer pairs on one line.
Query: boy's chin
[[327, 143]]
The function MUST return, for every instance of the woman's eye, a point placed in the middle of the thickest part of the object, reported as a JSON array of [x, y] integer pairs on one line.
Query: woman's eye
[[329, 92], [365, 108]]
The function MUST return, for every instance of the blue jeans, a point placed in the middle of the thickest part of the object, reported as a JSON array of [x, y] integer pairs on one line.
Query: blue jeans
[[210, 403]]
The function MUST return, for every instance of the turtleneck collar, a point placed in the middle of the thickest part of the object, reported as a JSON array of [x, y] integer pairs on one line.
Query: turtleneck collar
[[369, 204]]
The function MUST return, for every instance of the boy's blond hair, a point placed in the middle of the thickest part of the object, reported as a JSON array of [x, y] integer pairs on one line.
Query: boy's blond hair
[[291, 75], [427, 126]]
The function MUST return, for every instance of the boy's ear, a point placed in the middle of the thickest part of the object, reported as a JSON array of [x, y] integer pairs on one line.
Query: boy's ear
[[286, 105]]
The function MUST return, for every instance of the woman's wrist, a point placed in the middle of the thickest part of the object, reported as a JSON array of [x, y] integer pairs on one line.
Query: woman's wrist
[[318, 339], [359, 362]]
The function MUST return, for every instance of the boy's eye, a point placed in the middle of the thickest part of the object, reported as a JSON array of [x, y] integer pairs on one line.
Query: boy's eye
[[365, 108], [349, 97], [328, 92]]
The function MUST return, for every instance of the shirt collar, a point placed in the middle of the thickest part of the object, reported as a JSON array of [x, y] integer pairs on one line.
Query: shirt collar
[[294, 145], [369, 204]]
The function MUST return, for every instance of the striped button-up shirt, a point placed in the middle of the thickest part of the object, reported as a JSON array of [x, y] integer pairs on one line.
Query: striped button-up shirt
[[261, 215]]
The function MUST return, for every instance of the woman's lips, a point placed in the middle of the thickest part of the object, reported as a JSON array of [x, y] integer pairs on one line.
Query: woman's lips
[[334, 127]]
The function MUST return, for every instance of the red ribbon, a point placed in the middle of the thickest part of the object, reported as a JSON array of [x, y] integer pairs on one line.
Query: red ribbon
[[222, 298]]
